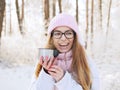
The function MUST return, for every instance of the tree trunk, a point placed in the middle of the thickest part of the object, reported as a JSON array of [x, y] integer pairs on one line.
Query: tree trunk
[[77, 17], [108, 19], [5, 20], [92, 24], [87, 23], [10, 19], [2, 10], [54, 8], [100, 11], [46, 13], [18, 14], [20, 17], [92, 20], [46, 9], [60, 6]]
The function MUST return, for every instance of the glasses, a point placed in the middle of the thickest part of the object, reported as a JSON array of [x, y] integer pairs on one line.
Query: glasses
[[68, 34]]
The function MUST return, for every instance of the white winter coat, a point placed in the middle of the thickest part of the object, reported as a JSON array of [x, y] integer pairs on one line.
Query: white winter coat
[[46, 82]]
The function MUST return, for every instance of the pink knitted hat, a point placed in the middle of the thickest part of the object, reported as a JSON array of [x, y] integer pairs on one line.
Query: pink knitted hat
[[64, 19]]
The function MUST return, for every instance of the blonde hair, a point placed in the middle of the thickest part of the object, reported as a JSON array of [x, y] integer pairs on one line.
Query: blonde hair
[[79, 66]]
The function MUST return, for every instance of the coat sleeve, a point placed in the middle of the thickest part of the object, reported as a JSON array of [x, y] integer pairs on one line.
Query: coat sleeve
[[68, 83], [33, 83], [44, 81], [95, 75], [33, 80]]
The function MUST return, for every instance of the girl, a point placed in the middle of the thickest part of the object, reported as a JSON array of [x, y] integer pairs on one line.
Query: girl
[[71, 69]]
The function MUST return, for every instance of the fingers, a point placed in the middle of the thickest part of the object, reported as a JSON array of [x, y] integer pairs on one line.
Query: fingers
[[41, 60], [56, 72], [55, 68], [46, 62], [53, 74], [50, 62]]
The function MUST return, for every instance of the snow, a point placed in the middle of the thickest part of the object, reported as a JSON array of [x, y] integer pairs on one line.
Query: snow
[[18, 54], [15, 78]]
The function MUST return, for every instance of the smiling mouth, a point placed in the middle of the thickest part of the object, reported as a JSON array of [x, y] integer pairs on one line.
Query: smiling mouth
[[63, 46]]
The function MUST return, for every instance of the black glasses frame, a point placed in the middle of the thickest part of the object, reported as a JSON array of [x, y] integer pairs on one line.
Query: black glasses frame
[[63, 34]]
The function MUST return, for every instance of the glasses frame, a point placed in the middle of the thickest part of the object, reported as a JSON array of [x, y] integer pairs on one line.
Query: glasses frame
[[63, 34]]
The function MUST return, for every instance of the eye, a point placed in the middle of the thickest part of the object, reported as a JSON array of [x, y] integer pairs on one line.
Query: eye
[[57, 33], [69, 33]]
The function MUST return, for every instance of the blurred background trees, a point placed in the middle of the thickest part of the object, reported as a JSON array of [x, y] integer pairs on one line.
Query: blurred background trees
[[2, 10], [52, 7], [20, 15], [27, 18]]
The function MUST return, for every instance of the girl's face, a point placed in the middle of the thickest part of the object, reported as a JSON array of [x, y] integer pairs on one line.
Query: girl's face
[[63, 38]]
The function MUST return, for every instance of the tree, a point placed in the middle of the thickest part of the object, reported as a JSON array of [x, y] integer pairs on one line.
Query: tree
[[100, 11], [10, 18], [54, 8], [20, 16], [92, 23], [46, 13], [60, 6], [108, 19], [92, 20], [5, 22], [87, 23], [77, 18], [2, 10]]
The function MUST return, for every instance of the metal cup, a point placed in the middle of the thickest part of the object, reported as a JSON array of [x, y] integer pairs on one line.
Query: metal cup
[[48, 52]]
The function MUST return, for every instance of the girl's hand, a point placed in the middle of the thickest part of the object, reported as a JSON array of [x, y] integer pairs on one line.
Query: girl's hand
[[46, 62], [56, 72]]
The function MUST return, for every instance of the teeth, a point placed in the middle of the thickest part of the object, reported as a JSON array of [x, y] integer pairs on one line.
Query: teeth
[[63, 44]]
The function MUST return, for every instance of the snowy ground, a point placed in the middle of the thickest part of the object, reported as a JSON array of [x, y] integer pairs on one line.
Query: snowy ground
[[15, 78]]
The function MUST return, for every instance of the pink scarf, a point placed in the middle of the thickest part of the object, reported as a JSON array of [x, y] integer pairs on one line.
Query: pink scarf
[[64, 60]]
